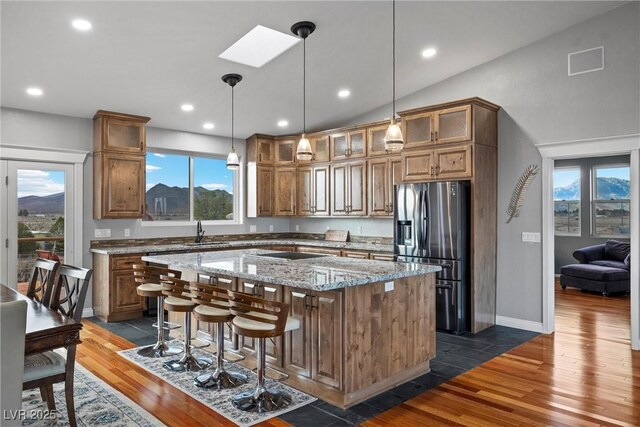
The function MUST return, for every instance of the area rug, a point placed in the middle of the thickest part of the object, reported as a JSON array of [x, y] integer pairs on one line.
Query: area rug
[[218, 400], [96, 402]]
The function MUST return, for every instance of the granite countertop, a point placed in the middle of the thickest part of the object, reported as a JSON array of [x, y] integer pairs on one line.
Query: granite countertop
[[320, 274], [369, 247]]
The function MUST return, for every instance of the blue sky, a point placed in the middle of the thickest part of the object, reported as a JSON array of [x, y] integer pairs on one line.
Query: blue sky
[[173, 170], [563, 177], [33, 182]]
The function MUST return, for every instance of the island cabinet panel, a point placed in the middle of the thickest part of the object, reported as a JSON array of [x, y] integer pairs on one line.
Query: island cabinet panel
[[114, 289], [210, 330], [298, 341]]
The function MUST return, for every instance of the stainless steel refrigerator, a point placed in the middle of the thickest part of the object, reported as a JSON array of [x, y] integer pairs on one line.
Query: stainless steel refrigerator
[[432, 226]]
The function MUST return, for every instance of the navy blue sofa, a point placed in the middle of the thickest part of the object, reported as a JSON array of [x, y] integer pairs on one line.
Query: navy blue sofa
[[603, 268]]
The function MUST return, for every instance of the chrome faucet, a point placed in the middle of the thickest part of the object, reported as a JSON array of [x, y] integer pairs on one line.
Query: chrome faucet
[[199, 233]]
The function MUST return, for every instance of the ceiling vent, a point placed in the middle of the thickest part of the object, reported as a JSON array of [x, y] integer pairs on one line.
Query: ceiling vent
[[586, 61]]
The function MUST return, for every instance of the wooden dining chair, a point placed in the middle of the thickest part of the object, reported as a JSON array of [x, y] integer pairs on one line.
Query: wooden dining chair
[[45, 369], [42, 280]]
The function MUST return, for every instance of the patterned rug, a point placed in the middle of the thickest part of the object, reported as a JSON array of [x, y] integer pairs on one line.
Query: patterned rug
[[218, 400], [96, 402]]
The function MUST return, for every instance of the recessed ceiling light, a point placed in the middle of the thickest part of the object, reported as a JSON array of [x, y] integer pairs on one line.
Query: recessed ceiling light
[[208, 125], [259, 46], [344, 93], [186, 107], [81, 24], [34, 91], [283, 123], [429, 53]]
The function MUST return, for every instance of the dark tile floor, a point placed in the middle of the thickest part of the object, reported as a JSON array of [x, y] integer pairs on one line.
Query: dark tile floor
[[455, 354]]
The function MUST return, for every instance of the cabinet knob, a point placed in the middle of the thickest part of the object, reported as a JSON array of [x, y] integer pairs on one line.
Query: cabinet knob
[[432, 135], [436, 135]]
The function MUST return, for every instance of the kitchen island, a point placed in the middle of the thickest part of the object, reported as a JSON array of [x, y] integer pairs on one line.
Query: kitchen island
[[365, 326]]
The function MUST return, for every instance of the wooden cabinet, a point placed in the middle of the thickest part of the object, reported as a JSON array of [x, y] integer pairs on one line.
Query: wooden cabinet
[[348, 145], [319, 148], [114, 289], [285, 151], [444, 126], [119, 185], [375, 140], [313, 190], [119, 142], [321, 251], [314, 350], [383, 174], [285, 191], [349, 188], [438, 164], [265, 191], [418, 130], [355, 254], [260, 149], [381, 256]]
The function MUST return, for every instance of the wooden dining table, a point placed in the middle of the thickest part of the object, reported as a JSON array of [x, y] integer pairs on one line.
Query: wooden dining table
[[46, 329]]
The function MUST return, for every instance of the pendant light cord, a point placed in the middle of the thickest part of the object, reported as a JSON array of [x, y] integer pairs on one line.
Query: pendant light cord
[[393, 38], [232, 148], [304, 86]]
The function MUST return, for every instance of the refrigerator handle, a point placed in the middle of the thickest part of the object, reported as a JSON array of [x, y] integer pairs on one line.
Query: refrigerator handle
[[425, 213]]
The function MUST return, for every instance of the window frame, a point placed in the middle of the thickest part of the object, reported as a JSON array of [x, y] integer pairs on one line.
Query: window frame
[[569, 234], [237, 188], [594, 201]]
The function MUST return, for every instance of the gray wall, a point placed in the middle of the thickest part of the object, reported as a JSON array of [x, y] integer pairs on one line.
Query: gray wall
[[565, 245], [540, 103]]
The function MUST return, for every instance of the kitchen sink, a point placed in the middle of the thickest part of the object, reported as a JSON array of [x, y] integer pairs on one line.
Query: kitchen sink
[[291, 255]]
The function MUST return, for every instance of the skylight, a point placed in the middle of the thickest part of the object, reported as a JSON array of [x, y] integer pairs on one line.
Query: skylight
[[259, 46]]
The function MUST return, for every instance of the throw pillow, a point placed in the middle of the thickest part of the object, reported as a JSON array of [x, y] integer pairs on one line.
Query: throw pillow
[[627, 260], [616, 250]]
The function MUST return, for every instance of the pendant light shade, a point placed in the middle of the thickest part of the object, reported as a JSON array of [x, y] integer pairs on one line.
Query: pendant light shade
[[393, 140], [302, 30], [233, 162]]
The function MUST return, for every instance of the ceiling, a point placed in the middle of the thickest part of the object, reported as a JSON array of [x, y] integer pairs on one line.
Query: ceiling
[[148, 58]]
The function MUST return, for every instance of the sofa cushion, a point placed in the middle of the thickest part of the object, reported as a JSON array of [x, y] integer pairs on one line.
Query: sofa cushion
[[616, 250], [627, 261], [595, 272], [610, 263]]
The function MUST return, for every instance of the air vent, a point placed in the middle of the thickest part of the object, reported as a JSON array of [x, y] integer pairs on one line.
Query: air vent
[[586, 61]]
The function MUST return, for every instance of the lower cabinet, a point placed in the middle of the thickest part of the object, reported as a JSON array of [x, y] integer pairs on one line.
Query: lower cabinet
[[313, 350], [320, 251], [114, 289]]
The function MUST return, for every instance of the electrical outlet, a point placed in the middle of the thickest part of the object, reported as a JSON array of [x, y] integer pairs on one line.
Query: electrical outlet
[[530, 237], [327, 228], [252, 229], [388, 286], [359, 229], [270, 227], [297, 227], [127, 232], [103, 232]]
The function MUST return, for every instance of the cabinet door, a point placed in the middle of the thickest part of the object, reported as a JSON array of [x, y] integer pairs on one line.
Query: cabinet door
[[418, 130], [265, 151], [376, 140], [265, 191], [321, 150], [357, 144], [453, 162], [305, 194], [298, 342], [285, 196], [339, 189], [379, 187], [355, 254], [123, 181], [357, 188], [321, 190], [339, 146], [382, 257], [123, 136], [321, 251], [395, 178], [326, 333], [417, 165], [453, 125], [124, 296], [285, 152]]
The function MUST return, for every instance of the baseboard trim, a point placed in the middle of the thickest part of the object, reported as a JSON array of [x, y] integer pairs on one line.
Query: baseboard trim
[[87, 312], [512, 322]]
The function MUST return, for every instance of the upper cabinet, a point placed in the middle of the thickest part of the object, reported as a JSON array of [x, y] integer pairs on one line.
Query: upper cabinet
[[375, 139], [349, 145], [118, 132], [285, 191], [260, 149], [285, 151], [418, 129], [119, 142], [453, 125], [320, 149], [349, 188], [384, 173], [444, 126]]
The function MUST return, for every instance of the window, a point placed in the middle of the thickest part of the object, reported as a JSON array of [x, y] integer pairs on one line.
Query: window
[[610, 200], [188, 188], [566, 201]]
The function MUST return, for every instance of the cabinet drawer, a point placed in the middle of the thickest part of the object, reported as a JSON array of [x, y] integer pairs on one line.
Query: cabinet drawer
[[125, 262], [323, 251], [355, 254], [382, 257]]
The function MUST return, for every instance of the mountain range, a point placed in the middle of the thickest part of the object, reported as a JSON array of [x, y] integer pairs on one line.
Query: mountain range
[[608, 188], [51, 204]]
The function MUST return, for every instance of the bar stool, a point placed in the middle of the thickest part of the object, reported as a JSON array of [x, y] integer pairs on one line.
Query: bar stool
[[260, 318], [178, 299], [213, 307], [148, 278]]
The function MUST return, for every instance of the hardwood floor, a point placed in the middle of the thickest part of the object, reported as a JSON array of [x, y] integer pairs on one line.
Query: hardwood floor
[[583, 374]]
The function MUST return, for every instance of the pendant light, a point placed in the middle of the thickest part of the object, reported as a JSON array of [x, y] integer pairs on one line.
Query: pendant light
[[393, 139], [233, 162], [302, 30]]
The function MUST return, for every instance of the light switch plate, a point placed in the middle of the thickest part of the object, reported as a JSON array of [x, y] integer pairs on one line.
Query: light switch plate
[[388, 286], [530, 237], [127, 232], [270, 227], [297, 227], [103, 232], [252, 229]]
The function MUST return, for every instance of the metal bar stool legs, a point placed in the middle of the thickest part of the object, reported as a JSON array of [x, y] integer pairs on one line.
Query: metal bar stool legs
[[188, 362], [220, 378], [261, 399], [160, 348]]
